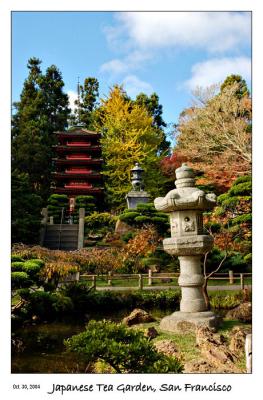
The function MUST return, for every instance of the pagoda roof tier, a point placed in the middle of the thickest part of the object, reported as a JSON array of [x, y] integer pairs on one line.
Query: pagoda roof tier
[[71, 149], [72, 174], [75, 191], [79, 133], [76, 161]]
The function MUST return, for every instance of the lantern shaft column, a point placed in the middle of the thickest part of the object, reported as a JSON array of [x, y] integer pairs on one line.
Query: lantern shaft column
[[191, 281]]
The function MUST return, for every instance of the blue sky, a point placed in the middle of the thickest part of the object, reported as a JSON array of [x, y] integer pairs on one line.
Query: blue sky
[[169, 53]]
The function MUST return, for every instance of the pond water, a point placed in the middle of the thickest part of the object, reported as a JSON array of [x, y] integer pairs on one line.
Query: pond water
[[39, 348]]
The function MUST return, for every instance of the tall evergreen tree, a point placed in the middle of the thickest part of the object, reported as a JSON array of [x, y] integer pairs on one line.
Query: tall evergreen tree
[[25, 210], [42, 110], [241, 85], [155, 109], [86, 103]]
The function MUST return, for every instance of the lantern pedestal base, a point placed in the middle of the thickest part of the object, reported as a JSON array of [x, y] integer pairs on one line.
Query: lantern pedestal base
[[182, 322], [135, 197]]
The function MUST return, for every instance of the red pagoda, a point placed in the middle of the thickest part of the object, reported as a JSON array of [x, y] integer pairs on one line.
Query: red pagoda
[[78, 164]]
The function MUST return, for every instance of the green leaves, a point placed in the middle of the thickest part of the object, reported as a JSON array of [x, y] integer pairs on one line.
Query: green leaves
[[124, 349], [42, 110], [145, 213]]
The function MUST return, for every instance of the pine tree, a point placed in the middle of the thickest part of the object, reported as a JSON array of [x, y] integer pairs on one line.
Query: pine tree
[[242, 89], [155, 109], [25, 210], [42, 110], [86, 104]]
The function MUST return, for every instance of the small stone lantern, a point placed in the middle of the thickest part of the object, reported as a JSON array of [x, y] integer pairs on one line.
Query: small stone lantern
[[185, 205], [137, 194]]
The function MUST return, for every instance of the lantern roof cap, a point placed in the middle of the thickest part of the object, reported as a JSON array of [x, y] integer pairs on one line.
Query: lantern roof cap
[[137, 167], [184, 172]]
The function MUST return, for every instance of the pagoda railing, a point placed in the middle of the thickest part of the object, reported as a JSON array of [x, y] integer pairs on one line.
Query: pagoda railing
[[70, 175], [63, 161], [72, 148]]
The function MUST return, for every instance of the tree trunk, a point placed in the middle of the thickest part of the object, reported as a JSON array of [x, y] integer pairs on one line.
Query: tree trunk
[[205, 294]]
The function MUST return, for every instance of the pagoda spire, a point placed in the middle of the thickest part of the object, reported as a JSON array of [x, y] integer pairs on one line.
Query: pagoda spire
[[78, 111]]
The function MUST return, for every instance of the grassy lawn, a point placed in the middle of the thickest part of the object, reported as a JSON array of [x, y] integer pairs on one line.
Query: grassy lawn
[[185, 343]]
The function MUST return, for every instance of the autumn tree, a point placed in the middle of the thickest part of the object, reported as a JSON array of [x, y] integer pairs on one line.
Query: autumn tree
[[142, 244], [128, 136], [215, 135]]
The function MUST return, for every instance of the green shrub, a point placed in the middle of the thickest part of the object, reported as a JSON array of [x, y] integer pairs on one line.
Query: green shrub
[[124, 349], [17, 266], [15, 257], [99, 220], [129, 217], [162, 215], [213, 226], [46, 305], [24, 293], [234, 261], [243, 189], [58, 199], [241, 219], [248, 258], [87, 202], [159, 220], [242, 179], [55, 204], [142, 219], [146, 208], [127, 236], [85, 298], [35, 261], [31, 269], [61, 304], [20, 280], [145, 213], [225, 300]]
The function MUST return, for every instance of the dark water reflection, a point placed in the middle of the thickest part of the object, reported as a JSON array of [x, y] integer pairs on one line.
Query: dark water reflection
[[39, 348]]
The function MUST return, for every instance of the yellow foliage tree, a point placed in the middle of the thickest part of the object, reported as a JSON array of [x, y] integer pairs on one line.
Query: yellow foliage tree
[[128, 136]]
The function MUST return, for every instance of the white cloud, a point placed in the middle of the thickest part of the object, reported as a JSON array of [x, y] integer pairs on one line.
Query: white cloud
[[216, 70], [134, 86], [72, 97], [212, 31], [132, 61], [114, 67]]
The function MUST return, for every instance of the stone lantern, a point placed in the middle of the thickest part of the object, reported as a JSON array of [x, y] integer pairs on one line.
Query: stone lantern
[[185, 205], [137, 194]]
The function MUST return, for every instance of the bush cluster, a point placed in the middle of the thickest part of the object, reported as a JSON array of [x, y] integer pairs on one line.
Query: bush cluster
[[125, 350], [145, 213], [86, 202], [99, 223], [45, 306], [55, 204], [85, 298], [26, 273]]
